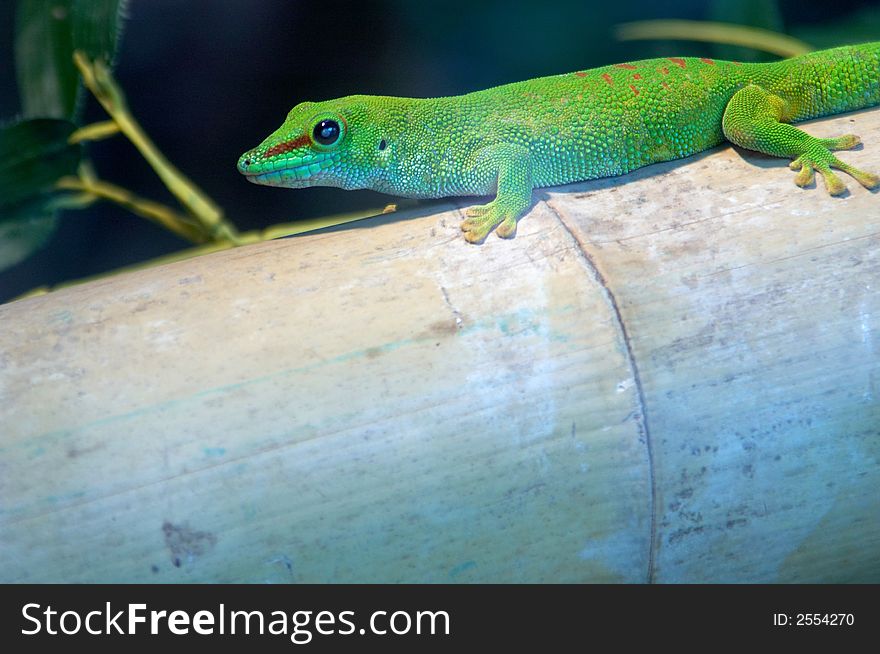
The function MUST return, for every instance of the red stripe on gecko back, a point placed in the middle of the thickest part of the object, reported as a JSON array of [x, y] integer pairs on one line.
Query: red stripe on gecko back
[[287, 146], [707, 61], [625, 66], [678, 62], [581, 74], [607, 78], [634, 89], [664, 70], [637, 76]]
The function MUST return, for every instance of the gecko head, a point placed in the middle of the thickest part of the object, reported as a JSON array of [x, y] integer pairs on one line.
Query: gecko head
[[320, 144]]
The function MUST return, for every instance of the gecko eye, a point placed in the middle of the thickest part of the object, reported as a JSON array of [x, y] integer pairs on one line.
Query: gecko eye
[[326, 132]]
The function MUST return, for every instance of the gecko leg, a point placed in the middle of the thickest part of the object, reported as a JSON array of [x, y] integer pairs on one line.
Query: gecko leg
[[512, 166], [754, 119]]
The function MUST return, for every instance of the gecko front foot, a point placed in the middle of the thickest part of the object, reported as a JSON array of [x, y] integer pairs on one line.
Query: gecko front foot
[[484, 218], [511, 166]]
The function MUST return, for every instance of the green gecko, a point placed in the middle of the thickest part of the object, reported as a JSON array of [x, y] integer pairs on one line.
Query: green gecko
[[602, 122]]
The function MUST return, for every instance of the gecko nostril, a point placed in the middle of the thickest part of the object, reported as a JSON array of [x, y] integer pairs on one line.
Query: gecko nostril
[[247, 162]]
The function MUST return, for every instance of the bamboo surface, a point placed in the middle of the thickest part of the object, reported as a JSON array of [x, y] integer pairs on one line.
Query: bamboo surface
[[671, 376]]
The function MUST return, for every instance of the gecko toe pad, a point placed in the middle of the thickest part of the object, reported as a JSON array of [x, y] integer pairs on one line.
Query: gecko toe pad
[[845, 142]]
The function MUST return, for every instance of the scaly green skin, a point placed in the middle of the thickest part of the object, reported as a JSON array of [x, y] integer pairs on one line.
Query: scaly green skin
[[565, 128]]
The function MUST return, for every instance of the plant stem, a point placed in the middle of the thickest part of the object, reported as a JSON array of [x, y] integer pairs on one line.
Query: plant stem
[[699, 30], [153, 211], [95, 132], [99, 80]]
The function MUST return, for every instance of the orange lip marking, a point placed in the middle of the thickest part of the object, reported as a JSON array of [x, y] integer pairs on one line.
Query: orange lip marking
[[287, 146], [678, 62]]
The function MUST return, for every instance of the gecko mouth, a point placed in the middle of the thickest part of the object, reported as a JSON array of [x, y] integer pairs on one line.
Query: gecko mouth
[[296, 171]]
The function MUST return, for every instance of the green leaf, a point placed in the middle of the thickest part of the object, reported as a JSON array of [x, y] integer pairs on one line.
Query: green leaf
[[22, 237], [47, 33], [97, 27], [47, 78], [34, 154]]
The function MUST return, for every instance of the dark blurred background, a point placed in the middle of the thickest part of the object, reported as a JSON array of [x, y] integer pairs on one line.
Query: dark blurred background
[[209, 79]]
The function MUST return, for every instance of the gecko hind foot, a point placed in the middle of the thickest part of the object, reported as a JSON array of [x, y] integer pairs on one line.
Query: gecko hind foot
[[484, 218], [809, 164]]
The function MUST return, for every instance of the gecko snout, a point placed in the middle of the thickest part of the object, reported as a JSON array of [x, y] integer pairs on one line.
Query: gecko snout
[[244, 162]]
